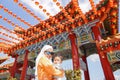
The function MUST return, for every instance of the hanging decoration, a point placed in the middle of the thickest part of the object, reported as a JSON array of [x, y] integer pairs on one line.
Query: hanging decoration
[[12, 23], [41, 7], [93, 6], [8, 41], [15, 16], [28, 11], [76, 5], [9, 36], [69, 18]]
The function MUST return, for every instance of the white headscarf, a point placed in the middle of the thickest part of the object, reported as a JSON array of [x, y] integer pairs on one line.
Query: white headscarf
[[45, 48]]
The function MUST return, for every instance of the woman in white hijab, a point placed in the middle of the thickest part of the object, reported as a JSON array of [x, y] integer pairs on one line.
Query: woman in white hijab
[[44, 67]]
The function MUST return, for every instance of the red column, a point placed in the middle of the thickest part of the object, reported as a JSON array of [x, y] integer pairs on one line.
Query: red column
[[103, 58], [96, 32], [86, 73], [106, 67], [25, 64], [13, 69], [75, 55]]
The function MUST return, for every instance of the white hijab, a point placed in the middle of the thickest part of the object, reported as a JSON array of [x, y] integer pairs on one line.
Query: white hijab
[[45, 48]]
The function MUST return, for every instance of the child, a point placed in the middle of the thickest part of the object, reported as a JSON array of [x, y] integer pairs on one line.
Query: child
[[57, 61]]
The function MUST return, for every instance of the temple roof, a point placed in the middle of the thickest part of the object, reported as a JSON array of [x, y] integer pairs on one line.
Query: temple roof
[[23, 29]]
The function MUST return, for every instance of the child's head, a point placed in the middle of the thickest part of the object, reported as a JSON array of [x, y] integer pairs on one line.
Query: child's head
[[57, 59]]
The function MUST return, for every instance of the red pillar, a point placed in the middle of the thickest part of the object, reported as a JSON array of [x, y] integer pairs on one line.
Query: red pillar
[[86, 73], [103, 58], [75, 55], [96, 32], [13, 69], [106, 67], [25, 64]]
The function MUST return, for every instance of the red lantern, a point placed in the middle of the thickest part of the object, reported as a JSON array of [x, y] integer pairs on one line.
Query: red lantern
[[1, 6], [114, 20], [60, 31], [61, 7], [54, 33], [48, 14], [14, 15], [16, 1], [31, 13], [5, 19], [61, 17], [20, 4], [113, 26], [40, 7], [56, 21], [111, 3], [54, 0], [24, 8], [58, 4], [0, 16], [79, 23], [114, 13], [92, 17], [115, 5], [28, 10], [69, 10], [73, 26], [36, 3], [103, 9], [114, 31], [5, 9], [44, 10], [10, 12]]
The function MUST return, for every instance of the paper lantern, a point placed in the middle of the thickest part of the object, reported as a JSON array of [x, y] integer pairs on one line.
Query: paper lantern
[[44, 10], [20, 4], [40, 7], [5, 9], [61, 17], [114, 31], [16, 1], [28, 10], [111, 3], [1, 6], [61, 7], [113, 26], [48, 14], [24, 8], [115, 5], [36, 3], [103, 9], [14, 15], [99, 13], [73, 26], [114, 20], [54, 0], [60, 31], [58, 4], [31, 13], [92, 17], [9, 21], [5, 19], [69, 10], [0, 16], [114, 13], [79, 23]]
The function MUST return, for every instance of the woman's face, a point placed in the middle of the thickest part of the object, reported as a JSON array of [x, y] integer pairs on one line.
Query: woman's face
[[49, 56]]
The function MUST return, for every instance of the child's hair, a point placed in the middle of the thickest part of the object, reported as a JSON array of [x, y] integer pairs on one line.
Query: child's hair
[[58, 55]]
